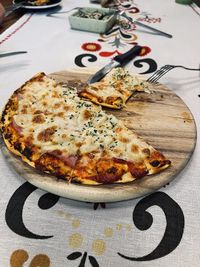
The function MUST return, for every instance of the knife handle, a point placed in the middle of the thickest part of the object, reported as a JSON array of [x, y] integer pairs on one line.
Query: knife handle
[[126, 57]]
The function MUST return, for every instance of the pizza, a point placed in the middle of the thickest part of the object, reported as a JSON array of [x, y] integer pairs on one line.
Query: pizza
[[55, 131], [114, 89], [38, 2]]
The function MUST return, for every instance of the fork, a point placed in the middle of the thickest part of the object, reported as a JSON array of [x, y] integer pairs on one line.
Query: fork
[[62, 12], [123, 14], [163, 70], [13, 7]]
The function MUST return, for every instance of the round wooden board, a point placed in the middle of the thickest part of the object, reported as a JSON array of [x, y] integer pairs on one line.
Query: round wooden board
[[160, 118]]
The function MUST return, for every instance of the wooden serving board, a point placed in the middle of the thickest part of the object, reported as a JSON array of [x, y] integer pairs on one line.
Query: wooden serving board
[[160, 118]]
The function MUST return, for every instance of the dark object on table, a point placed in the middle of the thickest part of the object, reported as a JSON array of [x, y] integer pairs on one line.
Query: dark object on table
[[117, 61], [105, 3]]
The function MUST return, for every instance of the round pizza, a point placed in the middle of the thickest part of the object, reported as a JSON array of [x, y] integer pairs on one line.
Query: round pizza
[[56, 131]]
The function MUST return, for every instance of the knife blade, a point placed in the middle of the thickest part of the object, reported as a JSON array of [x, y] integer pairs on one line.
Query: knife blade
[[12, 53], [117, 61]]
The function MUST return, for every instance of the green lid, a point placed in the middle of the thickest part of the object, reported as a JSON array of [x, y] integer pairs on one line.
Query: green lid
[[184, 2]]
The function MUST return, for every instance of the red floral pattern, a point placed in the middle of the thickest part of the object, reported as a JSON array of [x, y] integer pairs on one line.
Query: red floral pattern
[[92, 47]]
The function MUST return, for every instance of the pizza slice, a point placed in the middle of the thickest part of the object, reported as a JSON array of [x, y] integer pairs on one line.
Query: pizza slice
[[114, 89], [55, 131]]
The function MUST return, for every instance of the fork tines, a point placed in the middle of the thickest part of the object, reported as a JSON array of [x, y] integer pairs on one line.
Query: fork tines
[[159, 73], [162, 71]]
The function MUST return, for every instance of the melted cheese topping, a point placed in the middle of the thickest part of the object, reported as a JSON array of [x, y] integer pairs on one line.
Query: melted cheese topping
[[118, 83], [103, 90], [57, 119]]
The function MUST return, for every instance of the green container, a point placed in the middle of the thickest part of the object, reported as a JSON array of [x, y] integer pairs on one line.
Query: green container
[[184, 2], [92, 24]]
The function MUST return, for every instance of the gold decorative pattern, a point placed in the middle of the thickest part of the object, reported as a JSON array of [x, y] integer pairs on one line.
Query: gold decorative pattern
[[108, 232], [98, 246], [75, 240], [20, 256], [76, 223], [119, 226]]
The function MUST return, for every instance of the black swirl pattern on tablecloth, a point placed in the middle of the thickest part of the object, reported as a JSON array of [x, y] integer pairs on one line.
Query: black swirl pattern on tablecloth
[[151, 63], [79, 59], [139, 63], [14, 210], [174, 228], [141, 217], [75, 255]]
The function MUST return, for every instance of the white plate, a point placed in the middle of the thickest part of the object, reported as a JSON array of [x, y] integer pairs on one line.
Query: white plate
[[50, 4]]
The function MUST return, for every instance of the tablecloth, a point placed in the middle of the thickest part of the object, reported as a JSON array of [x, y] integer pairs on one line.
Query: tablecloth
[[162, 229]]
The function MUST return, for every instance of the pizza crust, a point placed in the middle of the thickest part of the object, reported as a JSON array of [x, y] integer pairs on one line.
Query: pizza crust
[[116, 103]]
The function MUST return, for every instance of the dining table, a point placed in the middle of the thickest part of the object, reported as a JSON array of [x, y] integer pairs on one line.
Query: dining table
[[113, 225]]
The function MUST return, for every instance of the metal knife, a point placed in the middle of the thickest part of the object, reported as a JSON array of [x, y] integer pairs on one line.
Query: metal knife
[[12, 53], [123, 14], [117, 61]]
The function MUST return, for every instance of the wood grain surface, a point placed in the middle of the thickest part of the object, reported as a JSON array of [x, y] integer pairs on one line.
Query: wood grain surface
[[161, 118]]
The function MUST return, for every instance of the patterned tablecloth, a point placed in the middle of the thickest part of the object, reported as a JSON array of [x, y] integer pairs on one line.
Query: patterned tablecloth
[[161, 229]]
